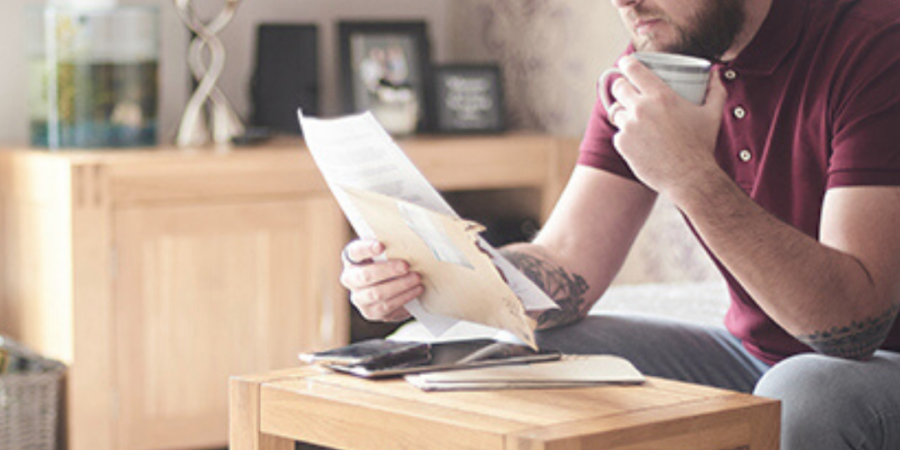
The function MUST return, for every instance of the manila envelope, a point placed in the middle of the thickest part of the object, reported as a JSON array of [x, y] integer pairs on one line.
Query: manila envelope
[[459, 277]]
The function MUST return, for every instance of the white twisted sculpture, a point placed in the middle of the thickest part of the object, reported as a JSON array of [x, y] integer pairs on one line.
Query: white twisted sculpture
[[194, 129]]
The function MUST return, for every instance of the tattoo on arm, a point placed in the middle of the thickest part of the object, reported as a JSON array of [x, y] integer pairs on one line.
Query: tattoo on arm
[[855, 341], [565, 288]]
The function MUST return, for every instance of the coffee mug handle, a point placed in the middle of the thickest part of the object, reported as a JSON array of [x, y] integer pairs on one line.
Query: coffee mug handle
[[602, 88]]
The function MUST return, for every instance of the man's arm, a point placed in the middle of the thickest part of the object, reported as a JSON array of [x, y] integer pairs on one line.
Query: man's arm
[[839, 295], [573, 258], [566, 288], [584, 243]]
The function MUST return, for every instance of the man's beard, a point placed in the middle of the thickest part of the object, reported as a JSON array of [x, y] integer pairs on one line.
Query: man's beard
[[710, 33]]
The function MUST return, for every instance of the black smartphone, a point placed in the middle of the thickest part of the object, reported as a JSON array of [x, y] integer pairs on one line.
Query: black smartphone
[[450, 355], [372, 351]]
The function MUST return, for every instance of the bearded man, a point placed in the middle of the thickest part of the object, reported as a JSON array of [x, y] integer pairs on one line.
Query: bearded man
[[789, 174]]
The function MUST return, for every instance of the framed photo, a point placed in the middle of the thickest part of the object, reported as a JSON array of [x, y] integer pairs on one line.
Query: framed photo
[[468, 99], [386, 69]]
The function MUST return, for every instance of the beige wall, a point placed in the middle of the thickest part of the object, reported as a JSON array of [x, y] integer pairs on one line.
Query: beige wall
[[552, 52], [239, 38]]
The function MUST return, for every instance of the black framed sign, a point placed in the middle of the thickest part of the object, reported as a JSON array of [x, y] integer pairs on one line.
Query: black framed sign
[[468, 99], [286, 76], [385, 66]]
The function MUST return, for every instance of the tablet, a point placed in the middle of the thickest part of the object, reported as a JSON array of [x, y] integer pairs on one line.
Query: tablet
[[452, 355], [371, 351]]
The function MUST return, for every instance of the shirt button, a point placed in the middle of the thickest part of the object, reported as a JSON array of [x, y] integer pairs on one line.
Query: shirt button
[[730, 74], [745, 155], [740, 112]]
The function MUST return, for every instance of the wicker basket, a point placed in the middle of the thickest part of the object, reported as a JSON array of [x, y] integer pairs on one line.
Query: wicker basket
[[30, 402]]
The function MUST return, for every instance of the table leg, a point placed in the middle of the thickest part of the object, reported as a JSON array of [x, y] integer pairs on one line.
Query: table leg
[[244, 431], [269, 442]]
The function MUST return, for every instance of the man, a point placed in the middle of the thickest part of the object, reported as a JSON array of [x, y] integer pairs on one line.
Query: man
[[789, 174]]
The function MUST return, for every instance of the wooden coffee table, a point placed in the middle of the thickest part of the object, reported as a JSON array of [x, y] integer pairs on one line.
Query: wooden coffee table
[[273, 410]]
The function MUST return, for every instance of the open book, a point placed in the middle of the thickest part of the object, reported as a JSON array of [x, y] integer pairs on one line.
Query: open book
[[385, 197]]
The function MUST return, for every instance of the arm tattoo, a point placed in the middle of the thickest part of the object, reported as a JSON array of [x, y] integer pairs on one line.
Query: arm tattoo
[[566, 289], [857, 340]]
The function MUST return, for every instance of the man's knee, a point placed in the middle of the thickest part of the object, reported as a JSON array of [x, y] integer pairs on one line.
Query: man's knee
[[823, 400], [793, 376]]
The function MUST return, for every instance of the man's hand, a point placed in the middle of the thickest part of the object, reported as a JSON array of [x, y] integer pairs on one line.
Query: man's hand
[[665, 139], [378, 289]]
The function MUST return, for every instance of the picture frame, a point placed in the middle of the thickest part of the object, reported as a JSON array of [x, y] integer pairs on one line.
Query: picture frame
[[468, 98], [386, 68]]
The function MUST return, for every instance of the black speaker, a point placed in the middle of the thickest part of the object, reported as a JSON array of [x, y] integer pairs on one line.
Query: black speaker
[[286, 76]]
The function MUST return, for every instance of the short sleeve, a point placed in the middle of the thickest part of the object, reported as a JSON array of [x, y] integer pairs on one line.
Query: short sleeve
[[866, 122]]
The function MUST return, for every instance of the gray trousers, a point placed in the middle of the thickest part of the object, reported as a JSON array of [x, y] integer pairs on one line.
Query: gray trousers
[[827, 403]]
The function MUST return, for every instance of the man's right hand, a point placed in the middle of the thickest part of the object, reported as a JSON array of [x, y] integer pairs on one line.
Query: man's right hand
[[378, 289]]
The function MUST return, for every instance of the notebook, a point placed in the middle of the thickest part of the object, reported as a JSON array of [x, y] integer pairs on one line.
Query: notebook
[[569, 371]]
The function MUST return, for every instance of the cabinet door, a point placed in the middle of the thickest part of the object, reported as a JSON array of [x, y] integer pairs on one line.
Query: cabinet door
[[211, 291]]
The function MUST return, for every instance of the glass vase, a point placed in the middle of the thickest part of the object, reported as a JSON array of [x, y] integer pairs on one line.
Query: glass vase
[[93, 76]]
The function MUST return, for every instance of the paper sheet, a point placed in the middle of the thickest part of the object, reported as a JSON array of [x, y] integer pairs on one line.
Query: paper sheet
[[568, 371], [356, 152]]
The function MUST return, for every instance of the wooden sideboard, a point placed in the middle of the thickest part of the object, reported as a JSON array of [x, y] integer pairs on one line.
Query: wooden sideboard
[[156, 274]]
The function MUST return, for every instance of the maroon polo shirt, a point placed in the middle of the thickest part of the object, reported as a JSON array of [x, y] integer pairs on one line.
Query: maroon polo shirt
[[813, 104]]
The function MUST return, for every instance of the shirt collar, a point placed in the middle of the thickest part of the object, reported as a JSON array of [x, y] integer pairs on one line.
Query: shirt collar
[[778, 34]]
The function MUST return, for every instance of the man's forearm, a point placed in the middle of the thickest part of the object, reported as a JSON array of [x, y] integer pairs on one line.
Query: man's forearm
[[824, 297], [563, 287]]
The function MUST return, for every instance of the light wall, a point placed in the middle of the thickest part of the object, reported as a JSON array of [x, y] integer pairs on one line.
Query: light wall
[[239, 39], [552, 53]]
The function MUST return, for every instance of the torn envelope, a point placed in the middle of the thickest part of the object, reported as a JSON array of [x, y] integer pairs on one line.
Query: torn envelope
[[460, 279], [355, 151]]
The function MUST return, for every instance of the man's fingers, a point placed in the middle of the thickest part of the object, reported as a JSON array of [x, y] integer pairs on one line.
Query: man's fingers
[[400, 313], [356, 277], [613, 113], [624, 92], [642, 78], [381, 302], [398, 316], [361, 251], [387, 292], [378, 289]]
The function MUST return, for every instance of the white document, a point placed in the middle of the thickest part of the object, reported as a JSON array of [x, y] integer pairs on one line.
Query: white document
[[356, 152]]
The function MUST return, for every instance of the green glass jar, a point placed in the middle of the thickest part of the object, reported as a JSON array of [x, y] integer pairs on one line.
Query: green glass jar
[[94, 76]]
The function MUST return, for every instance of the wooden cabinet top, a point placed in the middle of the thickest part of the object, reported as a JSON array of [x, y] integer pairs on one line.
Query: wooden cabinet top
[[285, 168]]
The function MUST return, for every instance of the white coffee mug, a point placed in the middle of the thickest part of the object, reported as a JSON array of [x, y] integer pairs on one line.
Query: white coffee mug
[[686, 75]]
